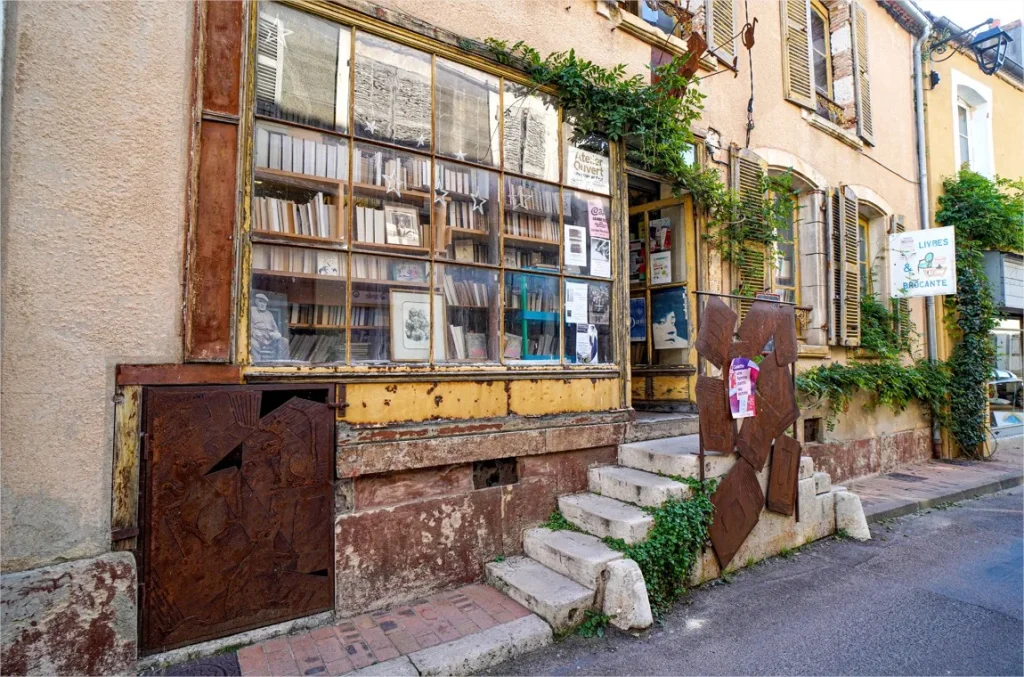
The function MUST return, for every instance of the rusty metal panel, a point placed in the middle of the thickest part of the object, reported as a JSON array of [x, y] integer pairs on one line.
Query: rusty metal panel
[[782, 480], [222, 73], [211, 260], [717, 428], [785, 336], [754, 441], [738, 502], [238, 529], [715, 335], [775, 386], [756, 329]]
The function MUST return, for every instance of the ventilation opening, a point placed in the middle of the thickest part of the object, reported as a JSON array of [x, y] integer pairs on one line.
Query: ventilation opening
[[272, 399], [812, 430], [495, 473]]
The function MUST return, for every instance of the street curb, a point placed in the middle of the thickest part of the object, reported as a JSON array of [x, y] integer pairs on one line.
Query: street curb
[[477, 652], [911, 507]]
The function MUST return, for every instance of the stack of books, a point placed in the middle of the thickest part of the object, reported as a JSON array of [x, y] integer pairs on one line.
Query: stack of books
[[377, 268], [317, 347], [369, 317], [523, 258], [525, 225], [369, 344], [542, 344], [277, 150], [315, 218], [408, 172], [318, 315], [466, 293], [294, 260], [466, 344], [542, 301]]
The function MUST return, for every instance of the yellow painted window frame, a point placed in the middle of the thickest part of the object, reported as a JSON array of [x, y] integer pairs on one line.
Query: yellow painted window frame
[[822, 12], [795, 287], [435, 49], [864, 254]]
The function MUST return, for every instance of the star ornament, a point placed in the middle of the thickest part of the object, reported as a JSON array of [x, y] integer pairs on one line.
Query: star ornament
[[421, 140], [440, 196], [459, 155], [371, 127], [478, 203], [392, 182]]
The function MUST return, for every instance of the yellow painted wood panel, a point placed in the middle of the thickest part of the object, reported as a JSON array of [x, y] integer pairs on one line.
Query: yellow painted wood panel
[[672, 387], [538, 397], [413, 402]]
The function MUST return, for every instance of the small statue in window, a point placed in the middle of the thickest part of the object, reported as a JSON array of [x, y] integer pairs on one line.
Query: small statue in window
[[265, 340]]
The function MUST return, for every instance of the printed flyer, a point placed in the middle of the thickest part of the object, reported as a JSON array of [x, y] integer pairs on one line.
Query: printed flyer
[[742, 379]]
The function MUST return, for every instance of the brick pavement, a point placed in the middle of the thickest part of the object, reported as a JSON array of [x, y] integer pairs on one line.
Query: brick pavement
[[382, 635], [918, 487]]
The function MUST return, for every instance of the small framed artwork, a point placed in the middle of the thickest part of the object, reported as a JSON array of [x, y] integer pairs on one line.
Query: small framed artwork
[[402, 225], [410, 326], [409, 271]]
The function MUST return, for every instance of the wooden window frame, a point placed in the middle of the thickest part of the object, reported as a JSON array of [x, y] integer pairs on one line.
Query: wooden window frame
[[864, 255], [817, 8], [795, 287], [435, 49]]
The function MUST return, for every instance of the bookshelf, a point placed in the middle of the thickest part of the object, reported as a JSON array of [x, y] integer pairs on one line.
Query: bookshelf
[[531, 317], [471, 313]]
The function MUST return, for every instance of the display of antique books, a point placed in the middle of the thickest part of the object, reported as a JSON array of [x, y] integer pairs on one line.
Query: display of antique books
[[300, 151], [531, 210], [531, 134], [392, 92], [467, 102], [293, 260], [531, 311], [315, 218]]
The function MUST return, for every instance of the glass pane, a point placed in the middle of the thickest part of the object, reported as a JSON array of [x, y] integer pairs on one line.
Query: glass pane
[[300, 183], [638, 329], [586, 162], [471, 313], [531, 224], [531, 133], [302, 68], [638, 246], [531, 317], [466, 213], [670, 326], [467, 103], [588, 245], [962, 119], [392, 92], [391, 200], [667, 245], [391, 310], [785, 266], [588, 337], [298, 305]]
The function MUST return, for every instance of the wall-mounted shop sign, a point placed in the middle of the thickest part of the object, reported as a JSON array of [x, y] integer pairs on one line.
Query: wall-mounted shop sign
[[922, 263]]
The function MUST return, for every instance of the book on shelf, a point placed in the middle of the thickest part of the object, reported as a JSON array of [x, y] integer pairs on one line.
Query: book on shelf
[[531, 196], [293, 153], [527, 225], [466, 292], [542, 301], [317, 347], [467, 344], [543, 345], [364, 316], [316, 218], [292, 260], [320, 315], [470, 250], [513, 346], [525, 258], [398, 173], [376, 268], [369, 345]]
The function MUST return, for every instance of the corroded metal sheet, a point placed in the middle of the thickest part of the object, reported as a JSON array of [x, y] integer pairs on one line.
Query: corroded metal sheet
[[717, 428], [738, 502], [238, 531], [754, 441], [775, 386], [756, 329], [716, 329], [785, 336], [782, 480]]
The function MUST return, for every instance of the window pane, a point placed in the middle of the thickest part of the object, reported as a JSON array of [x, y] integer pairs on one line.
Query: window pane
[[588, 246], [390, 310], [586, 162], [638, 329], [531, 133], [531, 224], [819, 49], [302, 68], [392, 92], [785, 266], [391, 200], [670, 326], [962, 118], [298, 305], [588, 338], [467, 102], [300, 183], [466, 213], [531, 317], [667, 245], [638, 242], [471, 313]]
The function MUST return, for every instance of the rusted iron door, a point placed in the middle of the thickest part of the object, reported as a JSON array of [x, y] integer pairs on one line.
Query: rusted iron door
[[238, 501]]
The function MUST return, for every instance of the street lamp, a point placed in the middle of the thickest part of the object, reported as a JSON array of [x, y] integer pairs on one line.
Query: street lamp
[[990, 49]]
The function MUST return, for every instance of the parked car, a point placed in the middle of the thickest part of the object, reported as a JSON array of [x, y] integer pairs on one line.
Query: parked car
[[1006, 389]]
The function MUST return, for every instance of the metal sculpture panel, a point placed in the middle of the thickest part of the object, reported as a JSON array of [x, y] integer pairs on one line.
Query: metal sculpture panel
[[738, 502], [785, 336], [717, 429], [782, 480], [715, 335], [239, 529]]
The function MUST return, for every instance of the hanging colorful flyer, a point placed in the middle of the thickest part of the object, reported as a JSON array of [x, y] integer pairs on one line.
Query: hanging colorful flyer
[[742, 378]]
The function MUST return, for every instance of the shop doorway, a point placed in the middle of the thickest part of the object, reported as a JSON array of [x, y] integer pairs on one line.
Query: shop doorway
[[238, 503], [662, 277]]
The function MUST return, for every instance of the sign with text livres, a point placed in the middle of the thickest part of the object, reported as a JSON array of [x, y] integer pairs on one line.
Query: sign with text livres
[[922, 263]]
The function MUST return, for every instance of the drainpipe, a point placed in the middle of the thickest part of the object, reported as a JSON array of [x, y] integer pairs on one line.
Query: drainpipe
[[922, 181]]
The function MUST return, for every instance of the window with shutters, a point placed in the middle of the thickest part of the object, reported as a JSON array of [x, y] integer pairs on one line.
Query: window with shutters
[[863, 256], [652, 13], [787, 256], [748, 172], [720, 29], [821, 50], [844, 273]]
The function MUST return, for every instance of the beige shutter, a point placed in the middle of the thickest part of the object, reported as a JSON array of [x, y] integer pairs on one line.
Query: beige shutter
[[851, 270], [901, 305], [861, 78], [796, 52], [834, 282], [748, 171], [720, 26]]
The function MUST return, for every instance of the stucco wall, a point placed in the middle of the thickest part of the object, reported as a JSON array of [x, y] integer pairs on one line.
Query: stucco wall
[[94, 164]]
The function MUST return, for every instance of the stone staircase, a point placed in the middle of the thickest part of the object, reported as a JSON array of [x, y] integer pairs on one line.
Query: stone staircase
[[565, 573]]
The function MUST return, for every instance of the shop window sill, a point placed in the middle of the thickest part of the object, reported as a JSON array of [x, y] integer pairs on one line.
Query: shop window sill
[[832, 129], [804, 350]]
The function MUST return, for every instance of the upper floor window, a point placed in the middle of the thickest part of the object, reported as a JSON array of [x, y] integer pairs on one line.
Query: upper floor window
[[787, 255], [963, 117], [654, 16], [821, 49], [972, 124]]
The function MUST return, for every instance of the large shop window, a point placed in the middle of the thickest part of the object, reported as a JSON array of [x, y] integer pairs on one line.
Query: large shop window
[[408, 208]]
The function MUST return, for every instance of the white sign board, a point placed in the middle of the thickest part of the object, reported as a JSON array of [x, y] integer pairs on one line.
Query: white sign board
[[922, 263], [587, 170]]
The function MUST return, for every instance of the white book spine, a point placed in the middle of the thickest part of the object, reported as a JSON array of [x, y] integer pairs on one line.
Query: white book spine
[[332, 161], [262, 148], [309, 157], [275, 151], [297, 156], [286, 153], [321, 159]]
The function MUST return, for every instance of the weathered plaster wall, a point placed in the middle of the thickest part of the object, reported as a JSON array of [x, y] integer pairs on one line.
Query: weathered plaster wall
[[94, 164]]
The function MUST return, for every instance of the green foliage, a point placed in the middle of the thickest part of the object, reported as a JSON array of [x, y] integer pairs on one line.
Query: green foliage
[[878, 334], [673, 544], [594, 624], [786, 553], [987, 215], [557, 522], [654, 119]]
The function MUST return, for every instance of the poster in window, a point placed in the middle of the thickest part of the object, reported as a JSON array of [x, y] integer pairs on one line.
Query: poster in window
[[638, 319], [600, 303], [586, 343], [668, 318], [587, 170], [661, 267], [600, 257], [597, 219], [576, 302], [660, 232], [637, 264], [575, 246]]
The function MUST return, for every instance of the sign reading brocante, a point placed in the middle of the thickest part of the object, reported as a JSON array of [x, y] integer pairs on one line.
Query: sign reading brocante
[[923, 263]]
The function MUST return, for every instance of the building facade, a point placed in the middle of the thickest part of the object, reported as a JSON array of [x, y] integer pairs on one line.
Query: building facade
[[370, 277]]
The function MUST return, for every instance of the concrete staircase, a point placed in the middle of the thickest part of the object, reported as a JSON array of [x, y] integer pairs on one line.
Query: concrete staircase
[[565, 573]]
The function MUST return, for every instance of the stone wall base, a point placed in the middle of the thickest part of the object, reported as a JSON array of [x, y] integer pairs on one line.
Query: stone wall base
[[76, 618], [845, 461]]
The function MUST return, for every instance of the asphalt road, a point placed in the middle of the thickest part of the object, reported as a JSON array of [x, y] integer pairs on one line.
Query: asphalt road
[[936, 593]]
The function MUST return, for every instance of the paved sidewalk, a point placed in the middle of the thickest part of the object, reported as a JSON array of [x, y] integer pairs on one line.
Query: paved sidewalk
[[919, 487]]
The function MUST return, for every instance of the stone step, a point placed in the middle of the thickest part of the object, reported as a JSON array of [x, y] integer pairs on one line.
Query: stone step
[[674, 456], [603, 517], [635, 486], [655, 425], [581, 557], [559, 600]]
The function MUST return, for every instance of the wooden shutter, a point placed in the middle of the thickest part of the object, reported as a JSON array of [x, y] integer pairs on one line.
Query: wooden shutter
[[268, 59], [843, 269], [748, 171], [901, 305], [720, 25], [796, 52], [861, 78]]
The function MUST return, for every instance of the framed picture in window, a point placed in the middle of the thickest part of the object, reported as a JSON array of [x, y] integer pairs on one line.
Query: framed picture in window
[[402, 225], [410, 326]]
